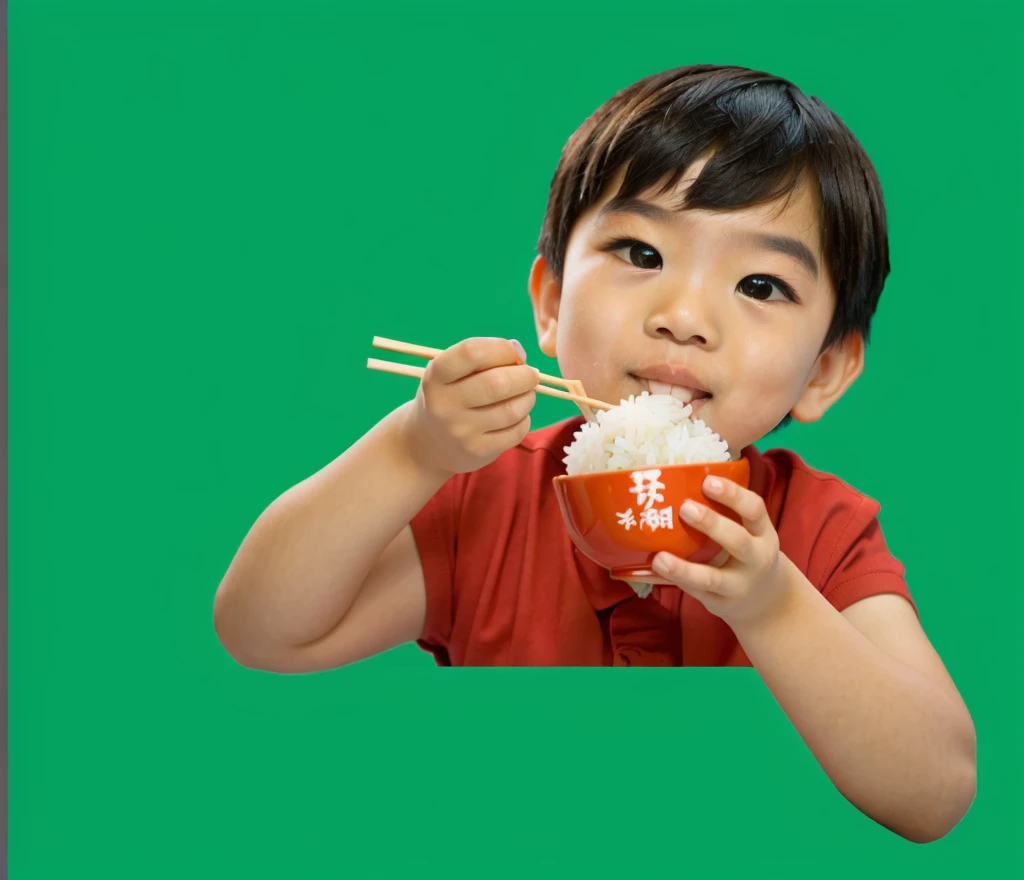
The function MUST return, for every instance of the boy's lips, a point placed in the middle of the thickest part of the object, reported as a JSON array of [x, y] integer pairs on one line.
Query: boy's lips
[[672, 375], [677, 382], [697, 404]]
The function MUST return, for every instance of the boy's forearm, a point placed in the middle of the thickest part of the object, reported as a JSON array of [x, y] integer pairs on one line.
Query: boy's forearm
[[301, 566], [899, 746]]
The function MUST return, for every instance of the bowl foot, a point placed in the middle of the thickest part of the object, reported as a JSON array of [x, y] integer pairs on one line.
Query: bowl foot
[[642, 573]]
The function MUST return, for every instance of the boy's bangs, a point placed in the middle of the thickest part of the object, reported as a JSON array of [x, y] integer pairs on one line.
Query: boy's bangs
[[756, 147]]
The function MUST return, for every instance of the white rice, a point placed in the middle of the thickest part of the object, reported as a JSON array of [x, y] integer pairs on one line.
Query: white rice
[[644, 431]]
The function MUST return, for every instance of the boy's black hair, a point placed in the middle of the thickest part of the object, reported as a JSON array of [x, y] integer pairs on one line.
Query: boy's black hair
[[764, 136]]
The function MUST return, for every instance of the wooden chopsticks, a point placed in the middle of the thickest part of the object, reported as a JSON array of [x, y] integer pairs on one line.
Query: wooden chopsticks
[[576, 393]]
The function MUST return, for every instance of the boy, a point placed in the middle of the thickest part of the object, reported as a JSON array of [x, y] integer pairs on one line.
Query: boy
[[714, 229]]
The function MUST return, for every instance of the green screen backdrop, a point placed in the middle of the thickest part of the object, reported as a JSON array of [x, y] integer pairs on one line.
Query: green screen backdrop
[[215, 205]]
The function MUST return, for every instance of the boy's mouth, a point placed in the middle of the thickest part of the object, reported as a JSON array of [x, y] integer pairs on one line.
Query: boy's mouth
[[688, 390]]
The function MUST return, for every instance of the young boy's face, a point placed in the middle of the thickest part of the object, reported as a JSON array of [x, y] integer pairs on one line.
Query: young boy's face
[[697, 302]]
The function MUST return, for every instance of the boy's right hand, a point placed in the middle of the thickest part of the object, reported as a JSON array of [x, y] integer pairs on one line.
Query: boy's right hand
[[474, 403]]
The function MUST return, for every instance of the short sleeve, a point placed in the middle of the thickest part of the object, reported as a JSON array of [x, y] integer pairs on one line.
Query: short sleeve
[[435, 529], [860, 564]]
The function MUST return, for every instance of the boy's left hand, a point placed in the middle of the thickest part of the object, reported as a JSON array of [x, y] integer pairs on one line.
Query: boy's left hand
[[751, 584]]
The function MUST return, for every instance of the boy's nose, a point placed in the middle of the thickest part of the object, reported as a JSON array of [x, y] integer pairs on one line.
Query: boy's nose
[[684, 319]]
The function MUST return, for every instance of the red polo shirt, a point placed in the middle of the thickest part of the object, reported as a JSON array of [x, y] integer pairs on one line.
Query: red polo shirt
[[507, 587]]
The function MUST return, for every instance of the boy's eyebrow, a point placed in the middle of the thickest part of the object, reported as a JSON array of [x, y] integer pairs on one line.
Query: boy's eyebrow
[[780, 244], [648, 210], [783, 244]]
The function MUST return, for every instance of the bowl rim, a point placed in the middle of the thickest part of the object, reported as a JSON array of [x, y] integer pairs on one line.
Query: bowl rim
[[732, 463]]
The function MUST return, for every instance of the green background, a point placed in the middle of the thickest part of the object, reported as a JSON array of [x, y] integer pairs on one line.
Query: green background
[[214, 206]]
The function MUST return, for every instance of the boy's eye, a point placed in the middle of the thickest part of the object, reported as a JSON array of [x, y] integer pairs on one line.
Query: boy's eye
[[641, 255], [761, 288]]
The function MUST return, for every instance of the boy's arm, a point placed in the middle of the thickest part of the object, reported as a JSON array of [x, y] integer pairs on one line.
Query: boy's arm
[[874, 703], [864, 688], [330, 573], [293, 598]]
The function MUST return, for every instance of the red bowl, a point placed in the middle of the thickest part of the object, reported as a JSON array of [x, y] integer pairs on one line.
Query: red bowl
[[622, 519]]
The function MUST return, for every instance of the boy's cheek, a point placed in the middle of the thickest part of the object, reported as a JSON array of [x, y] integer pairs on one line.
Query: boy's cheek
[[592, 352]]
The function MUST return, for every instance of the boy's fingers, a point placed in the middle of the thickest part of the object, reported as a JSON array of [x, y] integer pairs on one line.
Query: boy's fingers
[[471, 356], [512, 435], [720, 559], [690, 576], [499, 416], [730, 536], [749, 505], [495, 385]]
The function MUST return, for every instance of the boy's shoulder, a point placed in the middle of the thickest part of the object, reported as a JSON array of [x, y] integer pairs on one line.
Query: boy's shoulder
[[828, 528], [783, 470]]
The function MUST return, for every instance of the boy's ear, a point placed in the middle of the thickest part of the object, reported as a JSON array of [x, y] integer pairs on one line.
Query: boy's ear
[[546, 294], [835, 371]]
